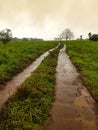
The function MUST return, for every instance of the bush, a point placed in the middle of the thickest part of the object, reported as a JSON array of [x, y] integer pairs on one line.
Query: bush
[[94, 37]]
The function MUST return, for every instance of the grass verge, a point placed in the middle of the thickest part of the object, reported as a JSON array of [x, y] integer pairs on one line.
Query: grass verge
[[30, 105], [84, 54], [14, 57]]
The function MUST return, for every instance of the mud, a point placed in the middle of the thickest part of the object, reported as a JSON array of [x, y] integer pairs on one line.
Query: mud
[[8, 89], [73, 108]]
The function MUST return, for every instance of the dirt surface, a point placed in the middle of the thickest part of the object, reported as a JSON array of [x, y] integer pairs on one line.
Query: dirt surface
[[11, 86], [73, 106]]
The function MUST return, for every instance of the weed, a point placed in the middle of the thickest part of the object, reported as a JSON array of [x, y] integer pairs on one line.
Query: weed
[[84, 55], [30, 106], [14, 57]]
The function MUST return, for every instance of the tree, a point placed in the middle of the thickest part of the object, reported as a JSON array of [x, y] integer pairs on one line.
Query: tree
[[81, 37], [5, 35], [89, 35], [66, 34], [94, 37]]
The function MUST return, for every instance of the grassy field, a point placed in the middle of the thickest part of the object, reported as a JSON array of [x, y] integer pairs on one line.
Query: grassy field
[[29, 107], [14, 57], [84, 55]]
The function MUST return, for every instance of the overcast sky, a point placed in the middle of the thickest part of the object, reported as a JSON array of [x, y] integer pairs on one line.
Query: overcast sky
[[47, 18]]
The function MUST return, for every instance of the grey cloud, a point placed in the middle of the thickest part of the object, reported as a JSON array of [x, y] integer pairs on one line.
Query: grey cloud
[[41, 15]]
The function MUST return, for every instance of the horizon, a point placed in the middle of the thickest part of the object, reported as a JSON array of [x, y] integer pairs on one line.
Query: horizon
[[46, 19]]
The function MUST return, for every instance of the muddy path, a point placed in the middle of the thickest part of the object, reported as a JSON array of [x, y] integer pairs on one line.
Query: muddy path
[[73, 106], [10, 87]]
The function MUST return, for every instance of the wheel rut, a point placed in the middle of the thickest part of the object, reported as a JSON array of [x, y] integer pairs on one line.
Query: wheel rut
[[73, 106], [11, 86]]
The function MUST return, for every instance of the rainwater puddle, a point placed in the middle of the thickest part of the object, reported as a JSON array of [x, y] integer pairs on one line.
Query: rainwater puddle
[[11, 86]]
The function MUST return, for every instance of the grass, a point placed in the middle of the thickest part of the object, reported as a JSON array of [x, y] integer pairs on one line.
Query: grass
[[84, 55], [15, 56], [30, 106]]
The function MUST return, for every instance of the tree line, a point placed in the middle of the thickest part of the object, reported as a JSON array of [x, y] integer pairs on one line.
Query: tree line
[[6, 36], [67, 34], [93, 37]]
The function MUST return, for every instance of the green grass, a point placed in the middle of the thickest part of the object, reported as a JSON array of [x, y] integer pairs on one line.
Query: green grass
[[14, 57], [84, 55], [30, 106]]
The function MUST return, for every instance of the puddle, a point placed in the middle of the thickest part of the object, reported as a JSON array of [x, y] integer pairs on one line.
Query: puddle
[[71, 110], [11, 86]]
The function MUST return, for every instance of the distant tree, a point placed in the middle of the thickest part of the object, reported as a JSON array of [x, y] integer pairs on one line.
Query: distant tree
[[94, 37], [36, 39], [89, 35], [15, 39], [81, 37], [66, 34], [5, 35], [32, 39], [25, 39]]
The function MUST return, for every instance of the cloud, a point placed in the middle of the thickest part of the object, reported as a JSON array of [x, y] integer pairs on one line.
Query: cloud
[[47, 18]]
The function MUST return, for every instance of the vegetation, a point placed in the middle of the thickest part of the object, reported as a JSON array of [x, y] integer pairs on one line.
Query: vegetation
[[89, 35], [81, 37], [5, 36], [94, 37], [30, 105], [15, 56], [84, 55], [65, 35], [27, 39]]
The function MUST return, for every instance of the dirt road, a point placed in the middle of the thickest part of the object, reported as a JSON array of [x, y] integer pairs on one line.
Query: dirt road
[[8, 89], [72, 109]]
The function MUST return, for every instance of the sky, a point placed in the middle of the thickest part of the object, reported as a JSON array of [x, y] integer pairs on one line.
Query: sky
[[48, 18]]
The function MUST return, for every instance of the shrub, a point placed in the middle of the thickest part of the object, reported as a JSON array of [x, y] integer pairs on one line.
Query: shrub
[[94, 37]]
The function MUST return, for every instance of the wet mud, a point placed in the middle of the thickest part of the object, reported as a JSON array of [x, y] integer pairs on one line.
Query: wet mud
[[73, 108], [10, 87]]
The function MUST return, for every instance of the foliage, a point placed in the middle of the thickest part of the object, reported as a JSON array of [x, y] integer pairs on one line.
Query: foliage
[[81, 37], [84, 55], [66, 34], [5, 36], [30, 105], [89, 35], [94, 37], [14, 57]]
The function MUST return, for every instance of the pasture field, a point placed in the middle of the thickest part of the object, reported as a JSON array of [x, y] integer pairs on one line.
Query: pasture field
[[15, 56], [84, 55], [29, 107]]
